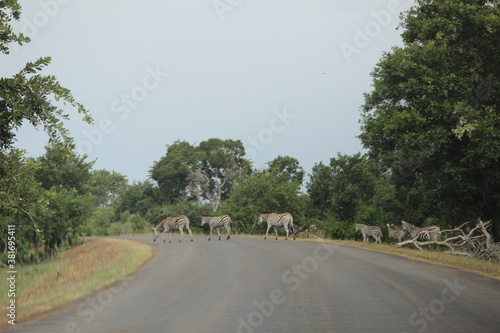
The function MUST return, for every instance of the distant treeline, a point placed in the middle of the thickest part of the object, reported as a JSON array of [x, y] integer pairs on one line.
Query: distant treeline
[[430, 128]]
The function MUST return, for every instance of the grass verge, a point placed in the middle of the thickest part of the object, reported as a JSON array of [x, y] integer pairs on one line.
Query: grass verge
[[93, 265]]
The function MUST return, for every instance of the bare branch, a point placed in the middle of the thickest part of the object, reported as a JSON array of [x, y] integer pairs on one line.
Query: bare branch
[[476, 243]]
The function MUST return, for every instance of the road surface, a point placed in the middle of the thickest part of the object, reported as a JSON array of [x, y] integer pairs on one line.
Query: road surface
[[254, 285]]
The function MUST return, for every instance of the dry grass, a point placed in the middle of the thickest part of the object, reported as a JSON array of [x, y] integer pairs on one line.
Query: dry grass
[[91, 266]]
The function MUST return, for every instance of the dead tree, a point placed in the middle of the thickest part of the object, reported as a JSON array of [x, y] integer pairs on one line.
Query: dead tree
[[477, 242]]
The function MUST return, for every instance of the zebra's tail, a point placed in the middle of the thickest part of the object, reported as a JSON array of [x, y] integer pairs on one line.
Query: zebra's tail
[[293, 229]]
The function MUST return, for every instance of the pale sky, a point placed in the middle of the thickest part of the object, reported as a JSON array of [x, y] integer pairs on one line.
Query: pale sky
[[286, 77]]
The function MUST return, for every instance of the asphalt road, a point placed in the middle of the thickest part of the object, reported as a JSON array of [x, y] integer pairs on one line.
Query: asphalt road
[[256, 285]]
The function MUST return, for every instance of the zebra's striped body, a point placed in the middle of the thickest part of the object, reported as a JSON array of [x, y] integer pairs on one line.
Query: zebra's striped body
[[369, 230], [277, 220], [216, 222], [172, 223], [394, 233], [425, 233]]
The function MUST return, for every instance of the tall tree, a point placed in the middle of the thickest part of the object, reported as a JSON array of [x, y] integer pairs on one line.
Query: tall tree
[[27, 97], [66, 178], [343, 186], [171, 172], [107, 186], [61, 167], [287, 168], [138, 198], [432, 119], [220, 163]]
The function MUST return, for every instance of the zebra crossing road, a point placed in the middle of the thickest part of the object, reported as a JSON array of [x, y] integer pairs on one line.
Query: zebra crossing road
[[249, 284]]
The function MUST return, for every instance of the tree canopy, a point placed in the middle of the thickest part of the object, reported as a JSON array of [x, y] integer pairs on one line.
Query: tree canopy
[[432, 119], [26, 196]]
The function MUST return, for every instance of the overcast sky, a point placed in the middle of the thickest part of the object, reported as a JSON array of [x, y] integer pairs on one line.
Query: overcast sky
[[286, 77]]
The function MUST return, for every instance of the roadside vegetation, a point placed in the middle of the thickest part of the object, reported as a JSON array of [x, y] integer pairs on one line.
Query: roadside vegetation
[[72, 274]]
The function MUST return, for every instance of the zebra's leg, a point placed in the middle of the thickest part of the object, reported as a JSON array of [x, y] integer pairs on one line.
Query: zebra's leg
[[276, 232], [189, 230], [181, 229], [228, 228], [210, 236], [267, 231], [170, 240], [286, 229], [218, 232]]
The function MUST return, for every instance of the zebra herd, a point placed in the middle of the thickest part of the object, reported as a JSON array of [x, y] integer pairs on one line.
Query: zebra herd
[[215, 222], [418, 233], [285, 220]]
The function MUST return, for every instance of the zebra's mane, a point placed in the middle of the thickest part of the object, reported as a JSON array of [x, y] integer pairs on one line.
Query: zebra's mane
[[159, 225]]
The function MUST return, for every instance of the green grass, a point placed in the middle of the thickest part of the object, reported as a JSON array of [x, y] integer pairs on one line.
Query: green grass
[[91, 266]]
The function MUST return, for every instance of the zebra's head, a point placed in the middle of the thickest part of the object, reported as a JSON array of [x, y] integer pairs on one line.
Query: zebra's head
[[261, 219], [155, 234], [405, 226], [358, 226], [204, 220]]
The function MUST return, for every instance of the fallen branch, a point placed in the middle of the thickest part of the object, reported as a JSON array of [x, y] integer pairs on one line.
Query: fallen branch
[[477, 243]]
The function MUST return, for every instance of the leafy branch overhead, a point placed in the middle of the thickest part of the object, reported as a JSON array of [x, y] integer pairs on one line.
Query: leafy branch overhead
[[29, 96]]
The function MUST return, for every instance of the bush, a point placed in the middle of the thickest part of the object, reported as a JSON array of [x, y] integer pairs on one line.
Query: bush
[[337, 229], [115, 229]]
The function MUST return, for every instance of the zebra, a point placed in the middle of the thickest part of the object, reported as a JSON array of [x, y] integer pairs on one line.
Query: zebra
[[395, 233], [368, 230], [215, 222], [425, 233], [277, 220], [172, 223]]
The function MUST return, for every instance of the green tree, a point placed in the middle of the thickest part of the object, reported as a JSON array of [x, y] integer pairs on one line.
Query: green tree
[[60, 223], [220, 163], [432, 120], [172, 171], [63, 168], [107, 186], [27, 97], [341, 187], [348, 190], [138, 198], [287, 169], [263, 192], [65, 177], [20, 197]]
